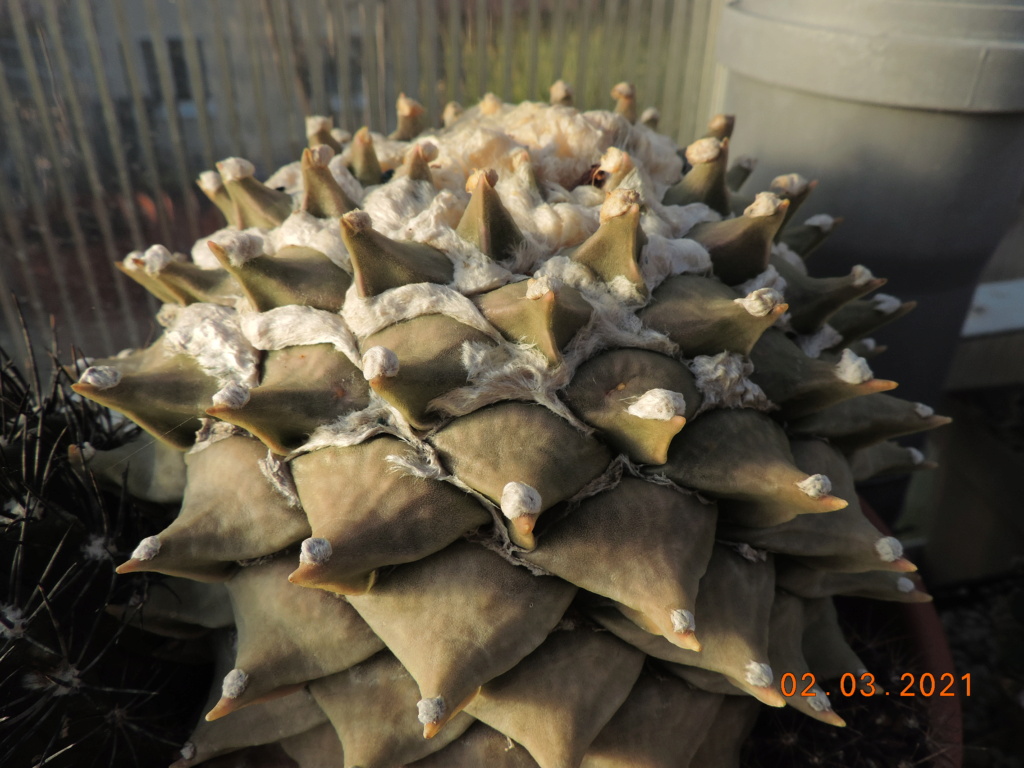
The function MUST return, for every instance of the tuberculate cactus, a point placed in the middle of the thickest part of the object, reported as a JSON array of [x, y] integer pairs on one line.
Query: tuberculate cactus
[[508, 444]]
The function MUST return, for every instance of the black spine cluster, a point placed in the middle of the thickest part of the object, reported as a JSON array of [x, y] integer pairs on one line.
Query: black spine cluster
[[78, 687]]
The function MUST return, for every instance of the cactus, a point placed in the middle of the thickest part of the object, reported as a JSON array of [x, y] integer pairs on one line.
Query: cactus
[[507, 444], [82, 685]]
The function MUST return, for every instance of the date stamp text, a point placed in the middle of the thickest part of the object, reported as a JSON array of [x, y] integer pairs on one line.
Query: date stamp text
[[925, 684]]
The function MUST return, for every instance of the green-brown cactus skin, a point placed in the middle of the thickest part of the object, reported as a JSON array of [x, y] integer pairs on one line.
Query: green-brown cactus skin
[[501, 467]]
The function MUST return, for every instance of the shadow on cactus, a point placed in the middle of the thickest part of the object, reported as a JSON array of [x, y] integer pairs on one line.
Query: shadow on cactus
[[509, 444]]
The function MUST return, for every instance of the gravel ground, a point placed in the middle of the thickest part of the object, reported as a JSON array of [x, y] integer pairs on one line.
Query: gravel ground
[[985, 627], [882, 731], [984, 624]]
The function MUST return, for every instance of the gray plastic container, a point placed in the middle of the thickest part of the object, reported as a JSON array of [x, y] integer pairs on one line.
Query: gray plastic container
[[911, 113]]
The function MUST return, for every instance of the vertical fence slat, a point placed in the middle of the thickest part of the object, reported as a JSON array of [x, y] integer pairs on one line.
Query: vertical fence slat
[[454, 74], [395, 62], [181, 166], [292, 98], [367, 19], [80, 133], [507, 50], [371, 72], [271, 30], [534, 91], [412, 51], [35, 314], [431, 63], [675, 55], [196, 81], [690, 122], [227, 102], [380, 35], [54, 158], [483, 84], [13, 341], [279, 91], [631, 68], [292, 65], [312, 47], [26, 176], [707, 73], [587, 96], [607, 66], [655, 62], [557, 44], [143, 131], [19, 250], [339, 26], [251, 21], [111, 124]]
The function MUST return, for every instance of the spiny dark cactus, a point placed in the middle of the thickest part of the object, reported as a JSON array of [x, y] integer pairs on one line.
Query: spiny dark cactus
[[79, 686]]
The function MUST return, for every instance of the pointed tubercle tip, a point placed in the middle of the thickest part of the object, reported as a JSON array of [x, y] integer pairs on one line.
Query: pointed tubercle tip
[[524, 524], [129, 566], [224, 706], [904, 565], [356, 222], [687, 640], [481, 178], [770, 696]]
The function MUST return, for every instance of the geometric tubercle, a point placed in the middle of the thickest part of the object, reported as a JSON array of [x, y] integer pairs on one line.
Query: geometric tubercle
[[322, 196], [705, 317], [614, 250], [740, 247], [486, 223], [380, 263], [536, 311], [365, 165], [705, 181], [253, 203]]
